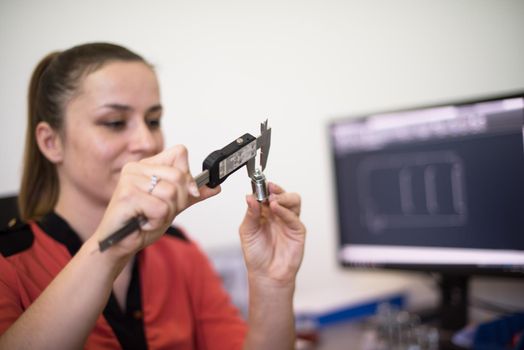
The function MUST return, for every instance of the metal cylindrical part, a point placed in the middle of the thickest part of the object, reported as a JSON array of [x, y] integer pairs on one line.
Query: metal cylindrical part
[[258, 183]]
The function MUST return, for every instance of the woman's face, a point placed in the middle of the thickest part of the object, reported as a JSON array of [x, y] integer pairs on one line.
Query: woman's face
[[113, 119]]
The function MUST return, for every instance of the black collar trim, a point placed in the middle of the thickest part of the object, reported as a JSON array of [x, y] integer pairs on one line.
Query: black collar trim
[[56, 227], [128, 326]]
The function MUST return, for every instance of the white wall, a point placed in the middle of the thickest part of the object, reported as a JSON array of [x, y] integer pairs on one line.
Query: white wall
[[226, 65]]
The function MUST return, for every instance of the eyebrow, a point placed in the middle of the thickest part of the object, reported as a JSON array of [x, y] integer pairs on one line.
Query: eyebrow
[[127, 108]]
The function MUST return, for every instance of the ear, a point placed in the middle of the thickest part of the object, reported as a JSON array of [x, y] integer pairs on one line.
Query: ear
[[49, 142]]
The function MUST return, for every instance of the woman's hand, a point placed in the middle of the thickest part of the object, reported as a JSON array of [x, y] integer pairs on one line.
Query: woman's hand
[[136, 194], [273, 237]]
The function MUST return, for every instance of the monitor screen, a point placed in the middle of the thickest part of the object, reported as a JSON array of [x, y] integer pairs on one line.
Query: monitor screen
[[439, 187]]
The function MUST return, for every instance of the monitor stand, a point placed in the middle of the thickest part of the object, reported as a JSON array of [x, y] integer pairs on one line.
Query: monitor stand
[[453, 308]]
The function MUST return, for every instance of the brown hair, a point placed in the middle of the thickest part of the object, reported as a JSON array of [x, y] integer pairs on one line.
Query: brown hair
[[54, 81]]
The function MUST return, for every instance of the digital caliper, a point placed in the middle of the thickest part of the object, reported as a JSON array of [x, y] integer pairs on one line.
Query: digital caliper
[[215, 169]]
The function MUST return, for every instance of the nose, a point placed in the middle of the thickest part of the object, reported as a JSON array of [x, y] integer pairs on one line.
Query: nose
[[145, 140]]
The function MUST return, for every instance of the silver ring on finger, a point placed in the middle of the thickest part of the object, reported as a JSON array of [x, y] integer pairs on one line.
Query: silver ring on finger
[[152, 184]]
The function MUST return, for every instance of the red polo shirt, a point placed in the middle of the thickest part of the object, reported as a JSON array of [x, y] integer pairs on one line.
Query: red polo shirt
[[175, 299]]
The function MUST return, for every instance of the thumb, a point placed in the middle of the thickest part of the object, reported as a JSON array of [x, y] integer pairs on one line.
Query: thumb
[[251, 222], [176, 156]]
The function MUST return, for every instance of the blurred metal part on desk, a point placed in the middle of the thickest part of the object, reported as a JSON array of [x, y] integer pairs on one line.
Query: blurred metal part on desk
[[390, 329]]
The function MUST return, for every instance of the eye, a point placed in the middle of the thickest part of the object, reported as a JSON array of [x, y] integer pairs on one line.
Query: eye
[[114, 124], [153, 123]]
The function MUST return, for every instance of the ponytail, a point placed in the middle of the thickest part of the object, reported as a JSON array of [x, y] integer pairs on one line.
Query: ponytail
[[39, 186]]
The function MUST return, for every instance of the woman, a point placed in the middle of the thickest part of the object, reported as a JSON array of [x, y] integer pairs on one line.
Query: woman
[[94, 160]]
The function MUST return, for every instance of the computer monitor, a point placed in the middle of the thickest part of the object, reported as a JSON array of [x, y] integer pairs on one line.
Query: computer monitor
[[435, 188]]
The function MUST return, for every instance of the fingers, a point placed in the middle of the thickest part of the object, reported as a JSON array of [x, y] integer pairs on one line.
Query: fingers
[[162, 165], [289, 200], [284, 205], [205, 193], [127, 202], [176, 155], [157, 188], [175, 181], [164, 174], [251, 222], [162, 180], [158, 212], [253, 207], [288, 216], [274, 188], [180, 158]]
